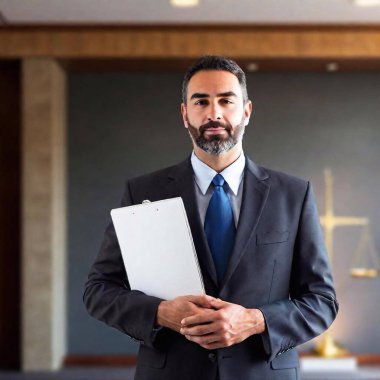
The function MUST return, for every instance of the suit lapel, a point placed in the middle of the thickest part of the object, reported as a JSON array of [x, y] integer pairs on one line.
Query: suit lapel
[[182, 178], [255, 194]]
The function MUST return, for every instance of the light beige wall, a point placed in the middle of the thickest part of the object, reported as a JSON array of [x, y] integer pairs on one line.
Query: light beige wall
[[44, 219]]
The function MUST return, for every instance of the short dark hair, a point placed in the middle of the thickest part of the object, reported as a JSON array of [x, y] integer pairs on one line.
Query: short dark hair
[[215, 62]]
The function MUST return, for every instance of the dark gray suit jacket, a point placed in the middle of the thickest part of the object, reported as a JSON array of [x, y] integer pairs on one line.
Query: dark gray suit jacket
[[279, 265]]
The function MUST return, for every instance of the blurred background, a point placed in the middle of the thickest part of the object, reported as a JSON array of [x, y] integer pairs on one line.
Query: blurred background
[[90, 94]]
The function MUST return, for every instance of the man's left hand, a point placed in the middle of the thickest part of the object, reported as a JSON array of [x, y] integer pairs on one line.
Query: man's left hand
[[223, 326]]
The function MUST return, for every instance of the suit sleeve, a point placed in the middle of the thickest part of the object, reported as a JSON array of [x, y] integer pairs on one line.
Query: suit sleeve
[[108, 296], [312, 304]]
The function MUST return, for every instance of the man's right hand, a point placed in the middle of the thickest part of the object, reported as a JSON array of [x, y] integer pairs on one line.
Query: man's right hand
[[170, 313]]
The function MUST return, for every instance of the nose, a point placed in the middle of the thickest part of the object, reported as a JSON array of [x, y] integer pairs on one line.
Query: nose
[[215, 112]]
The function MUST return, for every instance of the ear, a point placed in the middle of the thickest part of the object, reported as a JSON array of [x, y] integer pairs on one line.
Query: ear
[[247, 112], [184, 114]]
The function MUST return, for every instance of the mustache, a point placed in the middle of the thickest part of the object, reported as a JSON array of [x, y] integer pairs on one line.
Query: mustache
[[214, 124]]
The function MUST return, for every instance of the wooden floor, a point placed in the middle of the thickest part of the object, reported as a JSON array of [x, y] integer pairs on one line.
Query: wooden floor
[[92, 373], [364, 373]]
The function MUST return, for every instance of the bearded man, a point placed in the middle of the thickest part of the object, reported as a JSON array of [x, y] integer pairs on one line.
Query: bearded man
[[258, 241]]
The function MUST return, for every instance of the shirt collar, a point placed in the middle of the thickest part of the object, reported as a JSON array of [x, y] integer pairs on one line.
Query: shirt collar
[[232, 174]]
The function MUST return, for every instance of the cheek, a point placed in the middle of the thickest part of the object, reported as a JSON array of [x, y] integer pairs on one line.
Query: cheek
[[234, 117], [196, 117]]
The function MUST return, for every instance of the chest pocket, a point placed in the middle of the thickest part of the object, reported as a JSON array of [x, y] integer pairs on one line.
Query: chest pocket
[[273, 237]]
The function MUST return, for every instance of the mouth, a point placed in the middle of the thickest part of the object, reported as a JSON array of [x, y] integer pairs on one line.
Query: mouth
[[215, 131]]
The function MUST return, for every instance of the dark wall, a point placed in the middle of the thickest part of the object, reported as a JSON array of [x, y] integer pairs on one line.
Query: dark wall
[[123, 125]]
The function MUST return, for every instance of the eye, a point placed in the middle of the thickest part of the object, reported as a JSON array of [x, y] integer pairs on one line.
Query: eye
[[201, 102], [226, 101]]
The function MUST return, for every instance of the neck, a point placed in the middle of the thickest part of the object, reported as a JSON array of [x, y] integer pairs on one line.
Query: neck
[[219, 163]]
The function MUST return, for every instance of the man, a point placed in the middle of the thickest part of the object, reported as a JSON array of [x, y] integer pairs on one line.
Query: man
[[258, 240]]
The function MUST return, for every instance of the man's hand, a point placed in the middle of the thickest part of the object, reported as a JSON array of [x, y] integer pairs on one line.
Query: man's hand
[[171, 313], [224, 325]]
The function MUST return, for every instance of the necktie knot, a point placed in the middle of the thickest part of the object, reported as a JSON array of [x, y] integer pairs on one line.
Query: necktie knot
[[218, 180]]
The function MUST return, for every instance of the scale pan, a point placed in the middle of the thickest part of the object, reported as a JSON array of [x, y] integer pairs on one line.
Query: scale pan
[[364, 272]]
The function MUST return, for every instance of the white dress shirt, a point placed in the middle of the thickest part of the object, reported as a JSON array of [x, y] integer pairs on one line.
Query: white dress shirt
[[233, 175]]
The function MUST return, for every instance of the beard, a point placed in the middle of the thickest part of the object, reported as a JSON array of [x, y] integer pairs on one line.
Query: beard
[[216, 144]]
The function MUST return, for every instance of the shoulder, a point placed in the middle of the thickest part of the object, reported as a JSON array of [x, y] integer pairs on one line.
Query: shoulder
[[281, 178], [152, 176], [160, 178], [277, 179]]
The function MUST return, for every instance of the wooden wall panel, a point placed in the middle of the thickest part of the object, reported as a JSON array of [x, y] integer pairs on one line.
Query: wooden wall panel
[[10, 200]]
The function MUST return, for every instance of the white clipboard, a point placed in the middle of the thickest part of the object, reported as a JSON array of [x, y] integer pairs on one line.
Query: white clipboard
[[158, 249]]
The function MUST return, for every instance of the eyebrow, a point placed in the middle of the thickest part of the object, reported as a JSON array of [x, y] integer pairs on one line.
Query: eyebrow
[[199, 95]]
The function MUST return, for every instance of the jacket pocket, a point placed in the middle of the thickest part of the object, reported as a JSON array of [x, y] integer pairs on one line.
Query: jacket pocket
[[149, 357], [272, 237], [288, 359]]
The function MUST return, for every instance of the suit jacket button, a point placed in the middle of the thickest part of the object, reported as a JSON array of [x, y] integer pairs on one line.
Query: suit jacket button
[[212, 357]]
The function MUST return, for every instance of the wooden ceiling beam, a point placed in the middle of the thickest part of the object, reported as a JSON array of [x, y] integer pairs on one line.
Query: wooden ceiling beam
[[186, 42]]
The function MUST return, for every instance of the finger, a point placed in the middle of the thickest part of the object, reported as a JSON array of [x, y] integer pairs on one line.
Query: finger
[[217, 303], [210, 343], [198, 319], [199, 330], [202, 300], [202, 340]]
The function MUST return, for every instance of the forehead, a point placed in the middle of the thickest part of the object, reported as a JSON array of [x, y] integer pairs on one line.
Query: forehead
[[213, 82]]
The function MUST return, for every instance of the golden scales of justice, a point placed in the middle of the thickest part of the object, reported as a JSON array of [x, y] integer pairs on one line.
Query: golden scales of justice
[[365, 264]]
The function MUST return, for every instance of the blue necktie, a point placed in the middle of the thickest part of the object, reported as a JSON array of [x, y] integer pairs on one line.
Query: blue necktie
[[220, 227]]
